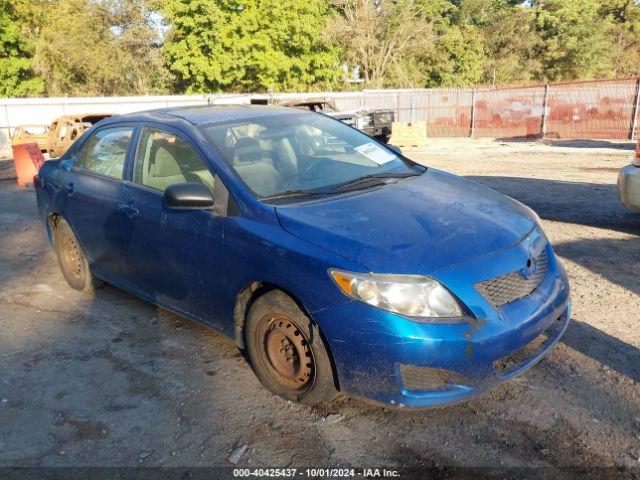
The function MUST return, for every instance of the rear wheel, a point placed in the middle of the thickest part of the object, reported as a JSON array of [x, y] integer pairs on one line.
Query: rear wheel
[[72, 260], [287, 352]]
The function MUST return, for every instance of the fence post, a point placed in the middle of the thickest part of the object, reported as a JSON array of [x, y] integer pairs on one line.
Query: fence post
[[472, 130], [398, 105], [6, 116], [545, 103], [636, 108], [413, 97]]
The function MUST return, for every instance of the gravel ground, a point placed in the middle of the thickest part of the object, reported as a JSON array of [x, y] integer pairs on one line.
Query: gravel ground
[[109, 380]]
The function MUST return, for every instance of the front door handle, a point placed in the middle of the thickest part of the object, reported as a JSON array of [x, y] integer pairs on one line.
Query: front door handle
[[71, 188], [128, 209]]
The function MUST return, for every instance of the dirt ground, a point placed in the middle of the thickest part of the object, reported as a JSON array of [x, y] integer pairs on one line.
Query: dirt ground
[[110, 380]]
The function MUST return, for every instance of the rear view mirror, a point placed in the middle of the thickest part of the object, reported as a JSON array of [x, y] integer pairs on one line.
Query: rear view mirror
[[188, 196]]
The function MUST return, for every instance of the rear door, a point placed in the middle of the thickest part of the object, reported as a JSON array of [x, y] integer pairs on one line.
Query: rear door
[[92, 187], [173, 257], [51, 139]]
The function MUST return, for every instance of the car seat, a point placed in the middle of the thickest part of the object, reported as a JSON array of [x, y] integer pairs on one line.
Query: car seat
[[255, 169]]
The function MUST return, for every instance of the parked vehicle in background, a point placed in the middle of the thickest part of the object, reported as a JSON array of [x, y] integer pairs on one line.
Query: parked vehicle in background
[[37, 134], [336, 263], [67, 129], [378, 124], [375, 123], [629, 183]]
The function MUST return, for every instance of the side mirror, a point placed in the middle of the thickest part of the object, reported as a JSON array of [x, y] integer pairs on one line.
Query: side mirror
[[66, 164], [188, 196]]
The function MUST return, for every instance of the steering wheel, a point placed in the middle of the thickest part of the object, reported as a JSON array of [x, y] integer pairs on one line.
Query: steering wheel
[[312, 170]]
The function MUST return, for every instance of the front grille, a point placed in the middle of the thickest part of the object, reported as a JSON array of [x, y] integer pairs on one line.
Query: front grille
[[422, 379], [516, 359], [514, 286], [520, 357]]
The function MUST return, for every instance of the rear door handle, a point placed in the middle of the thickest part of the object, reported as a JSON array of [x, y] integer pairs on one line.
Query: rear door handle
[[128, 209]]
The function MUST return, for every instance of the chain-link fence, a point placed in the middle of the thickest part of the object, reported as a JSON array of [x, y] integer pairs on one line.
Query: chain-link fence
[[607, 109], [592, 110]]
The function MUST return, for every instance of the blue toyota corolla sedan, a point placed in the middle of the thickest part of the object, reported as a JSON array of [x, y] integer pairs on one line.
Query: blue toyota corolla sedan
[[336, 263]]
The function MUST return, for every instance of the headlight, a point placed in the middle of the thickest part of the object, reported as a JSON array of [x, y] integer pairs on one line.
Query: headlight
[[410, 295], [385, 117]]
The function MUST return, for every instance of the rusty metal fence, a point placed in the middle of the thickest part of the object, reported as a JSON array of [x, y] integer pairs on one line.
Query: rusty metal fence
[[607, 109]]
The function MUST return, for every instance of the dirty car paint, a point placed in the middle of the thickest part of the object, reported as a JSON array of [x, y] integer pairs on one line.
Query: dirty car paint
[[198, 263]]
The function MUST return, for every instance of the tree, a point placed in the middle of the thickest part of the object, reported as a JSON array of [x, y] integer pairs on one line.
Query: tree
[[625, 35], [17, 78], [456, 59], [384, 39], [509, 38], [88, 47], [575, 39], [250, 45]]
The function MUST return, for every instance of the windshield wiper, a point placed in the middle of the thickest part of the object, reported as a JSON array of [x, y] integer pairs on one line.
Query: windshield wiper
[[369, 180], [297, 194]]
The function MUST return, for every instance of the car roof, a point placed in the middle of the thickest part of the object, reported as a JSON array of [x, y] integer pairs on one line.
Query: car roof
[[200, 114]]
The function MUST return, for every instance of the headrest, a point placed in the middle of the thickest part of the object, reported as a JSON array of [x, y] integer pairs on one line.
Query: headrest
[[166, 164], [247, 151]]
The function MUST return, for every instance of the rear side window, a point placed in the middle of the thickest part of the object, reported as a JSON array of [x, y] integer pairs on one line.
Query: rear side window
[[105, 151], [63, 131], [164, 158]]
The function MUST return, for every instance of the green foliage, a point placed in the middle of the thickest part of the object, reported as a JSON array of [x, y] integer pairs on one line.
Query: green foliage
[[575, 39], [250, 45], [116, 47], [625, 35], [99, 48], [17, 78], [509, 39]]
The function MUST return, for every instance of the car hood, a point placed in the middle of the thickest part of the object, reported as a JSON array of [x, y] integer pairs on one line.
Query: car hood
[[416, 226]]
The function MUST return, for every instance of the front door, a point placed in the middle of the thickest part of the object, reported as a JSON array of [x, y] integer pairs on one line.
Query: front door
[[174, 257], [92, 188], [60, 138]]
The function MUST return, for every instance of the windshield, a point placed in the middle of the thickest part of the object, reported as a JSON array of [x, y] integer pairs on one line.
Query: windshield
[[35, 130], [303, 153]]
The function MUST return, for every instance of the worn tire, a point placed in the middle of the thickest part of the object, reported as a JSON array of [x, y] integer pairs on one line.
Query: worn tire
[[71, 259], [278, 336]]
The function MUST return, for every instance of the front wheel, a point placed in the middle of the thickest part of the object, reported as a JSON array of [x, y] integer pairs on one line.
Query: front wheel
[[287, 352], [72, 260]]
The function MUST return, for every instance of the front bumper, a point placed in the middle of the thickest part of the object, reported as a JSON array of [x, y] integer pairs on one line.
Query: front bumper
[[381, 356], [629, 187], [377, 130]]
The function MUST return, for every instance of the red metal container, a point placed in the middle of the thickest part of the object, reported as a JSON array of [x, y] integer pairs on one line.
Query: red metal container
[[27, 159]]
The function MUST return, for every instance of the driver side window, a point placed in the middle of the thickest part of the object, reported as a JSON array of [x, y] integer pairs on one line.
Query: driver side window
[[105, 152], [164, 158]]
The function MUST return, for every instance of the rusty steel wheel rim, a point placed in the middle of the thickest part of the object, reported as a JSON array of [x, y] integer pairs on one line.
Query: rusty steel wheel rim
[[71, 257], [288, 356]]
